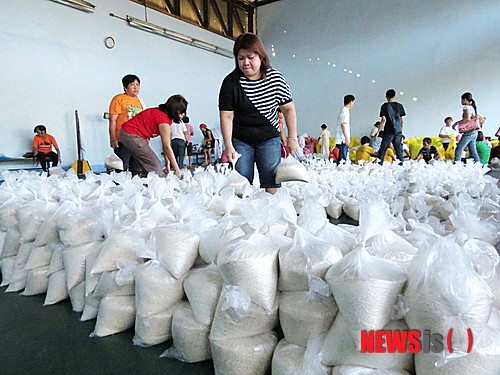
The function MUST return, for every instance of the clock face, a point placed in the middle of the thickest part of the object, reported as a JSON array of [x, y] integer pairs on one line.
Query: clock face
[[109, 42]]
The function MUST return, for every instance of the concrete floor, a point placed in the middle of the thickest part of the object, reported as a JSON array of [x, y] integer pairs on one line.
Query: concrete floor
[[36, 339]]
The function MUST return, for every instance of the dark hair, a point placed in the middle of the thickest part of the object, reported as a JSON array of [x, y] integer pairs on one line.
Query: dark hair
[[41, 128], [448, 118], [468, 96], [377, 123], [348, 99], [185, 120], [129, 78], [391, 93], [251, 42], [174, 107], [365, 139], [480, 136], [323, 126], [427, 140]]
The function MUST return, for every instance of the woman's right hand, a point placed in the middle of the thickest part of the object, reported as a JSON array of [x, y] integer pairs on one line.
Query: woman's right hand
[[113, 143], [177, 172], [231, 153]]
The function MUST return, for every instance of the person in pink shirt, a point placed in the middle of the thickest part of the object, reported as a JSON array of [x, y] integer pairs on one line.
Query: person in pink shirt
[[150, 123]]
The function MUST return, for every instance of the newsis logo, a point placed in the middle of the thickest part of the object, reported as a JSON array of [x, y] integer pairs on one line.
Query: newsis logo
[[413, 341]]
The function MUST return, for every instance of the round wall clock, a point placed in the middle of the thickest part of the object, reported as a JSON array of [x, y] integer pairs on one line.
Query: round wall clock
[[109, 42]]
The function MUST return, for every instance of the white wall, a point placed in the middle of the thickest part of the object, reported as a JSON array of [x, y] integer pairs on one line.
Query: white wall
[[433, 50], [54, 61]]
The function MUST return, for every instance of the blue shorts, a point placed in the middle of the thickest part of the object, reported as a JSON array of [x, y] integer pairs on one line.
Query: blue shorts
[[266, 155]]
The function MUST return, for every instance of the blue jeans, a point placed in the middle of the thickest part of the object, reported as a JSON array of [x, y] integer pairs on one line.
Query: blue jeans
[[266, 155], [397, 142], [343, 152], [467, 139]]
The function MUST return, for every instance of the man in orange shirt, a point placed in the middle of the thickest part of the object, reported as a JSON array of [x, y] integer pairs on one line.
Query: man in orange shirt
[[42, 147], [122, 108]]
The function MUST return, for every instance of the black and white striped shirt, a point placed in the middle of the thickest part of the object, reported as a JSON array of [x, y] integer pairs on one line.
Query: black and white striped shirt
[[255, 104]]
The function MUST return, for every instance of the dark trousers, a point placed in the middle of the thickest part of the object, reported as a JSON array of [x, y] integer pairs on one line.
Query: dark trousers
[[343, 152], [179, 148], [397, 142], [48, 157], [129, 162]]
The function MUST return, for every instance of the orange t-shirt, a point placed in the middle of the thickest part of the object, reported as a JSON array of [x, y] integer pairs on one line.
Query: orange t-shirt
[[44, 144], [125, 107]]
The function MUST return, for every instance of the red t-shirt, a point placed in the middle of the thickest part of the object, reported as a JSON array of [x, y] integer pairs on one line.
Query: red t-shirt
[[146, 123]]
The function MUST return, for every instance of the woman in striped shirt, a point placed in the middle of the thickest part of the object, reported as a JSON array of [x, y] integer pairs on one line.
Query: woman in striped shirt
[[249, 99]]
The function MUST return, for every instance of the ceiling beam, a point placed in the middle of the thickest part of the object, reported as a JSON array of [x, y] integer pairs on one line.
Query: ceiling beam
[[258, 3]]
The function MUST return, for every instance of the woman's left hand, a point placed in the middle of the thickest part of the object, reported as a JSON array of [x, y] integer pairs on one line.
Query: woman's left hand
[[292, 146]]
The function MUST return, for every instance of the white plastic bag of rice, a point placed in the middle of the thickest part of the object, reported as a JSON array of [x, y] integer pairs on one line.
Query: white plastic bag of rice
[[8, 209], [338, 237], [91, 308], [216, 238], [339, 348], [48, 232], [77, 297], [305, 314], [156, 289], [360, 370], [293, 359], [79, 225], [191, 342], [18, 279], [308, 255], [445, 292], [39, 256], [116, 314], [119, 248], [37, 281], [90, 280], [389, 245], [109, 286], [12, 242], [153, 329], [32, 215], [3, 234], [176, 247], [57, 290], [74, 261], [203, 287], [312, 216], [484, 359], [485, 260], [8, 269], [251, 262], [287, 359], [244, 356], [351, 206], [236, 316], [56, 261], [335, 207], [366, 288]]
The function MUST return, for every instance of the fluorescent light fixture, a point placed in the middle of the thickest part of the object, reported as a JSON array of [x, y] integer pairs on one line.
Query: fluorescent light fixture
[[174, 35], [77, 4]]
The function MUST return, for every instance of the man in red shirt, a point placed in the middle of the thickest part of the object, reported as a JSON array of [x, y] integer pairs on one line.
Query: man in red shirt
[[42, 147]]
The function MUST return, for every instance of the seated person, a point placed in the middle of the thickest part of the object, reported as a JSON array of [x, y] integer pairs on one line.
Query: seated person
[[390, 154], [427, 152], [483, 150], [42, 147], [310, 147], [406, 149], [364, 153]]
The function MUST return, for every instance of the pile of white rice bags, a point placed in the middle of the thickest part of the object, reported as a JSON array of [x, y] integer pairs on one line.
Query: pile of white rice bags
[[216, 269]]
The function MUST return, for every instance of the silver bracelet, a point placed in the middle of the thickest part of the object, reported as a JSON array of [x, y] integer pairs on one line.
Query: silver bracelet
[[292, 139]]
